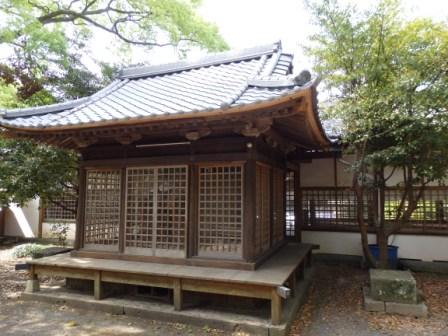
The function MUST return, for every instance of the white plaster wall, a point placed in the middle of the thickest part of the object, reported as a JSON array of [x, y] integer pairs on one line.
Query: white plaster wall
[[22, 221], [48, 233], [426, 248], [320, 173]]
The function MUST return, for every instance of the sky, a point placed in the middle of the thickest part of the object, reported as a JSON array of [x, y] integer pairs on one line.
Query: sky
[[246, 23]]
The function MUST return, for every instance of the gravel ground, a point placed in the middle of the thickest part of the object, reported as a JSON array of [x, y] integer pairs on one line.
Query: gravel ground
[[334, 307]]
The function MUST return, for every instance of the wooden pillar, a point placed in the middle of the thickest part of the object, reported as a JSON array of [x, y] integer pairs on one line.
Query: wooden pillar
[[309, 258], [302, 270], [2, 220], [41, 218], [121, 228], [32, 284], [79, 234], [98, 287], [293, 284], [193, 194], [177, 294], [298, 210], [250, 208], [32, 273], [276, 307]]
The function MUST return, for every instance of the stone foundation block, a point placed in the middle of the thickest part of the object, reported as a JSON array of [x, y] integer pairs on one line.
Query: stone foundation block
[[417, 310], [393, 286], [371, 304], [32, 286]]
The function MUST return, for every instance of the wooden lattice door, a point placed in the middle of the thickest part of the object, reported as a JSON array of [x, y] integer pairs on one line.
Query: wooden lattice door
[[220, 211], [102, 210], [156, 211]]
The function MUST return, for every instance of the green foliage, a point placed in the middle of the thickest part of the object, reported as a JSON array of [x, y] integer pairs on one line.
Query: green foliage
[[389, 83], [29, 170], [8, 95], [48, 41], [28, 250], [48, 38], [387, 80]]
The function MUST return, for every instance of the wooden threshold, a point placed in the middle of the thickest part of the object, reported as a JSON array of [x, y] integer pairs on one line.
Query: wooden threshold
[[193, 261]]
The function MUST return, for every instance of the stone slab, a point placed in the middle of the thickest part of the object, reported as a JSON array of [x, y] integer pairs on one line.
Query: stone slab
[[417, 310], [371, 304], [393, 286]]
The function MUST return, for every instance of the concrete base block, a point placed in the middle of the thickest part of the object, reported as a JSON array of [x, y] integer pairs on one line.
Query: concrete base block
[[371, 304], [393, 286], [417, 310], [32, 286]]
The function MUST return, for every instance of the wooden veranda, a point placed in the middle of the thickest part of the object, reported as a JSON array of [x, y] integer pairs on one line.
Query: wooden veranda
[[284, 268]]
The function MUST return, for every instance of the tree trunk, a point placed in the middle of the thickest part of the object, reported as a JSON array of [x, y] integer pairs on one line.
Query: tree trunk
[[382, 241]]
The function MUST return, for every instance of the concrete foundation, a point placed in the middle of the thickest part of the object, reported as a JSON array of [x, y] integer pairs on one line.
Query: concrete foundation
[[225, 320], [371, 304], [417, 310]]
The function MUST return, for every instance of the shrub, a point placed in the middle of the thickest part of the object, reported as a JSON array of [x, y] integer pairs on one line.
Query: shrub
[[27, 250]]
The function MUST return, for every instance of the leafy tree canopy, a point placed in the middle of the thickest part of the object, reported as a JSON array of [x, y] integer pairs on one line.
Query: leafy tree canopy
[[387, 78], [48, 39]]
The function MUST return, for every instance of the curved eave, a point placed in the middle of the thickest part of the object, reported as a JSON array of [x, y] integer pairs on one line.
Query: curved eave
[[307, 93]]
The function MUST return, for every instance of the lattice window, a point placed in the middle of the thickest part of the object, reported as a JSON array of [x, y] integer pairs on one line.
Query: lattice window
[[290, 229], [156, 212], [102, 211], [333, 207], [278, 213], [57, 213], [431, 212], [263, 209], [220, 210]]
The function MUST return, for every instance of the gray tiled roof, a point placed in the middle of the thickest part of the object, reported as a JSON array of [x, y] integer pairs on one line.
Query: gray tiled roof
[[217, 81]]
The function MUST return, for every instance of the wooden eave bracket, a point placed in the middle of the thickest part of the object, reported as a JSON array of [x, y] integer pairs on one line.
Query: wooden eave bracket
[[84, 142], [256, 127], [196, 135], [127, 139]]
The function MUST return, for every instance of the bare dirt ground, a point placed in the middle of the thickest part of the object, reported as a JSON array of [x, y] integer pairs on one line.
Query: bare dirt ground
[[334, 307], [20, 318]]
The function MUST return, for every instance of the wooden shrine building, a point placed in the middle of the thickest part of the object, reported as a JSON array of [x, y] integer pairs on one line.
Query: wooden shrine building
[[187, 174]]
